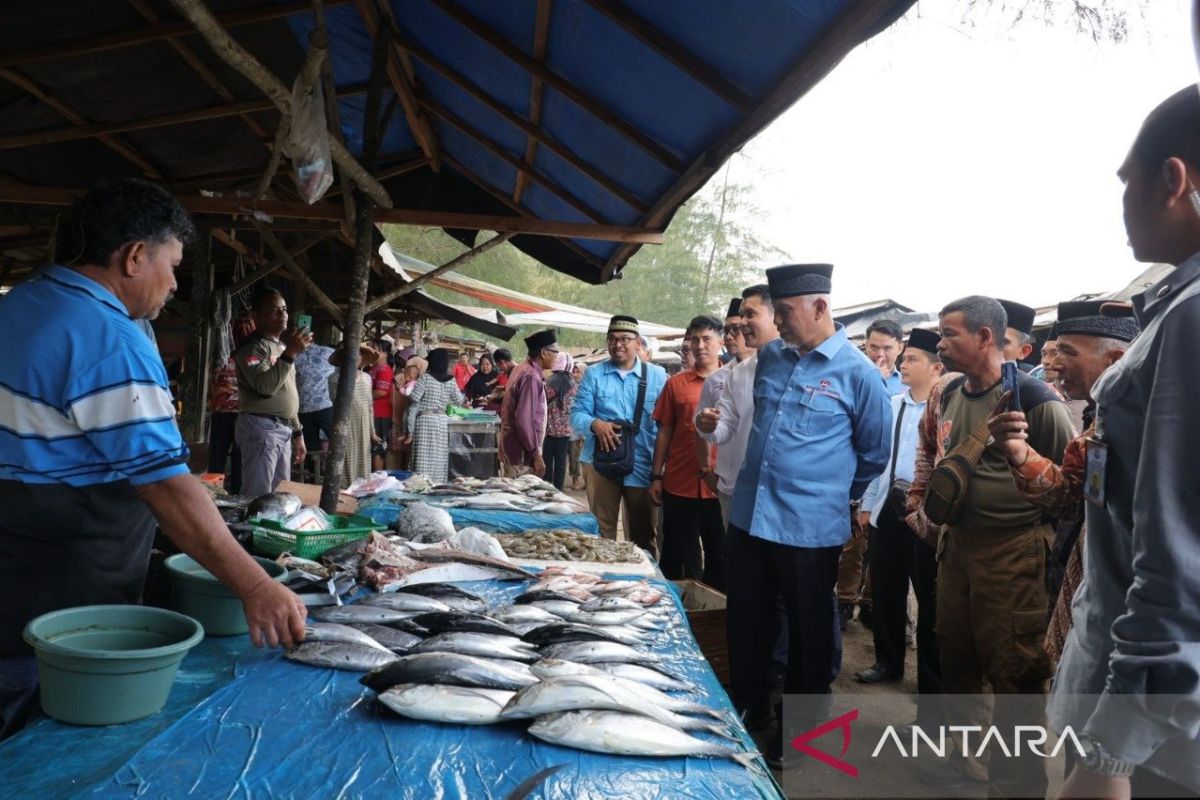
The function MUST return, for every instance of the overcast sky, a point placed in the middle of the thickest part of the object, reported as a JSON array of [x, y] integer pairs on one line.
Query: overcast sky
[[946, 158]]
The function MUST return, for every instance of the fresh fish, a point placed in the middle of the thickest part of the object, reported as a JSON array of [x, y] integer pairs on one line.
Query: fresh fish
[[462, 622], [456, 598], [360, 613], [555, 508], [406, 602], [450, 489], [620, 617], [339, 655], [575, 692], [538, 595], [304, 565], [276, 506], [483, 645], [559, 608], [599, 653], [397, 641], [620, 587], [549, 668], [611, 604], [524, 613], [523, 628], [452, 572], [465, 705], [442, 555], [561, 632], [651, 677], [336, 632], [526, 787], [345, 556], [453, 669], [625, 734]]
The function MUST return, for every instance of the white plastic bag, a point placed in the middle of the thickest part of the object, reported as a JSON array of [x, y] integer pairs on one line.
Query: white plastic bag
[[308, 142]]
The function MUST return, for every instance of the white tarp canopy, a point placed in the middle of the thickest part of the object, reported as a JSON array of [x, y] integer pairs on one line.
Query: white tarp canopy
[[594, 321]]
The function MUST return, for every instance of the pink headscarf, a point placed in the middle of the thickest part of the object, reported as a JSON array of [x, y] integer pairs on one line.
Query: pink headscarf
[[564, 362]]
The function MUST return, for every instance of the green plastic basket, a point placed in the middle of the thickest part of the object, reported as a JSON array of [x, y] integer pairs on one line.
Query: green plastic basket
[[271, 538]]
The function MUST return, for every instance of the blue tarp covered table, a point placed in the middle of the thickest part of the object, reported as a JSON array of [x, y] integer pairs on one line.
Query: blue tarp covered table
[[242, 722]]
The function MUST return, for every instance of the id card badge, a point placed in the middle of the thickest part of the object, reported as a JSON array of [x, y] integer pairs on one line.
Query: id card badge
[[1094, 477]]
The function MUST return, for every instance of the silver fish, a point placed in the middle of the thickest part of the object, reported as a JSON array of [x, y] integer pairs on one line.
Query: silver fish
[[651, 677], [483, 645], [340, 655], [628, 735], [399, 601], [549, 668], [620, 617], [336, 632], [360, 613], [465, 705], [524, 613], [397, 641], [276, 506], [610, 603], [576, 692], [599, 653], [559, 608], [453, 669]]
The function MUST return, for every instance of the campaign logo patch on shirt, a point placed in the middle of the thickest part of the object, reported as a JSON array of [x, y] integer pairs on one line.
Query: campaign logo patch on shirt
[[822, 388], [252, 360], [944, 433]]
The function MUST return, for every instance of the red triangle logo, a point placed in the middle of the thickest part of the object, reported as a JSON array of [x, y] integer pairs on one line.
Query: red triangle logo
[[801, 742]]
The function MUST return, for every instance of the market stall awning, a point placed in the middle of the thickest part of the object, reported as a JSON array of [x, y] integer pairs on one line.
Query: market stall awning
[[580, 125]]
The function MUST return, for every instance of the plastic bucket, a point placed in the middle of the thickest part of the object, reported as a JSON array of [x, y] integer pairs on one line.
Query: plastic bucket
[[102, 665], [196, 592]]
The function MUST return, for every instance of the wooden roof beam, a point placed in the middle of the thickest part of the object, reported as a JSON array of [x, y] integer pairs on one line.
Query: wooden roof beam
[[541, 31], [516, 163], [522, 124], [658, 41], [559, 84], [422, 131], [99, 44], [393, 171], [125, 151], [328, 212]]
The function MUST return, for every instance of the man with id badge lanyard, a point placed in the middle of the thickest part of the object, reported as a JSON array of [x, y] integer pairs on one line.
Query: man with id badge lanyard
[[1129, 679]]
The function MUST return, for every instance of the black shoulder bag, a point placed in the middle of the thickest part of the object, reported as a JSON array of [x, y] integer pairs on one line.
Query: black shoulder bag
[[618, 462]]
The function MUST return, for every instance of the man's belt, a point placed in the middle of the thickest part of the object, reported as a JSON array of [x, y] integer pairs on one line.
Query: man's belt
[[276, 418]]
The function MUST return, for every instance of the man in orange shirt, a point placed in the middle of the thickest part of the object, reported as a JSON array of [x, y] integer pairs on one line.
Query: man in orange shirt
[[693, 533]]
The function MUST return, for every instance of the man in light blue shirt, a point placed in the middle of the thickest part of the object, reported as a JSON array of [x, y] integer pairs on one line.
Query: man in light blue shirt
[[897, 555], [608, 395], [819, 437]]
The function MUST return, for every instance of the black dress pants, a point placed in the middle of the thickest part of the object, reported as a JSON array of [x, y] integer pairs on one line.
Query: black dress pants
[[759, 572], [693, 540], [220, 443], [555, 450]]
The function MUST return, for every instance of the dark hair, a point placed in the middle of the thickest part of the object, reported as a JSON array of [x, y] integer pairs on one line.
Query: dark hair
[[981, 312], [1171, 130], [760, 290], [888, 327], [439, 364], [114, 213], [501, 354], [487, 358], [261, 294], [384, 347], [703, 323]]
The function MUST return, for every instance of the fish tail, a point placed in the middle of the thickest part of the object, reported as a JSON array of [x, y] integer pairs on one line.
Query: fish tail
[[749, 760]]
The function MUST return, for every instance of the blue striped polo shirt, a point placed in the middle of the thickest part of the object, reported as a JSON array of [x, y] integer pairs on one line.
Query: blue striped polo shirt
[[83, 392]]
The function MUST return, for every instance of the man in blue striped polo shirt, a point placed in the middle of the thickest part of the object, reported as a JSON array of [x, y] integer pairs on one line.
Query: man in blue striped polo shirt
[[90, 455]]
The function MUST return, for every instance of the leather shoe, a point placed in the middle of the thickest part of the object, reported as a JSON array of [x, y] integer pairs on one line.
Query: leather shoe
[[877, 673], [845, 614]]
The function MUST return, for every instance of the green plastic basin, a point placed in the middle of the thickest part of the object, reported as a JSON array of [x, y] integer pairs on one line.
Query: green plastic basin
[[196, 592], [102, 665]]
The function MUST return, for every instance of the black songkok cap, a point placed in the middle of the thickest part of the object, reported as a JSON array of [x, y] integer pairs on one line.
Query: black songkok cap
[[923, 339], [791, 280], [540, 339], [1019, 317], [735, 308], [1085, 318]]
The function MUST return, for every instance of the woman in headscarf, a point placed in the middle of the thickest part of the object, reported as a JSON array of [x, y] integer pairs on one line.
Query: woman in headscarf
[[561, 387], [483, 382], [427, 418], [406, 380], [360, 425], [577, 480]]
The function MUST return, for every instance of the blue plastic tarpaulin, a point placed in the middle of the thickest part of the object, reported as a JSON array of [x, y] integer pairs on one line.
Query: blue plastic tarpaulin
[[280, 729], [385, 508]]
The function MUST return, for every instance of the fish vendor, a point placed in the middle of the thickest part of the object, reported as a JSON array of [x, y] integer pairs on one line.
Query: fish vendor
[[523, 411], [90, 455]]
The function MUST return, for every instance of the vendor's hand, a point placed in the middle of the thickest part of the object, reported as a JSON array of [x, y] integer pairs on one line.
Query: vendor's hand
[[608, 435], [299, 450], [275, 615], [1011, 431], [708, 419], [407, 440], [1085, 783], [296, 342], [656, 491], [864, 519], [539, 465]]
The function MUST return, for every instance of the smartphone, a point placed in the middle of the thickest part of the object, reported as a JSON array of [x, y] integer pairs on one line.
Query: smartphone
[[1009, 377], [304, 322]]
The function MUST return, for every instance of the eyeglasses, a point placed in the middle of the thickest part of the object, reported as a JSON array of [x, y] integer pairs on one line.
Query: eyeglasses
[[732, 330], [623, 341]]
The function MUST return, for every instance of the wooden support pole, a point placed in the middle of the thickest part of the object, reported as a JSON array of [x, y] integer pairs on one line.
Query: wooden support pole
[[360, 277], [298, 272], [541, 32], [424, 278], [200, 342], [241, 60]]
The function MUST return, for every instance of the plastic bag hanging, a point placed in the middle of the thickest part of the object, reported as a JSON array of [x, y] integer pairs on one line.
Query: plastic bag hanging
[[308, 141]]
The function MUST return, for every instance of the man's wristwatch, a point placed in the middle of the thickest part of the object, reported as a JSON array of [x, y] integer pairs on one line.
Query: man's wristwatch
[[705, 472], [1096, 759]]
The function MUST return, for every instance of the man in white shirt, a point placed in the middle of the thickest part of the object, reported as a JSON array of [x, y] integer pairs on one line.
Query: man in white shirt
[[710, 393], [728, 424], [896, 554]]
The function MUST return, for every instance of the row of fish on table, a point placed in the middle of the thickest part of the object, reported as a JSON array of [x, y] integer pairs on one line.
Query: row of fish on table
[[526, 493], [574, 653]]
